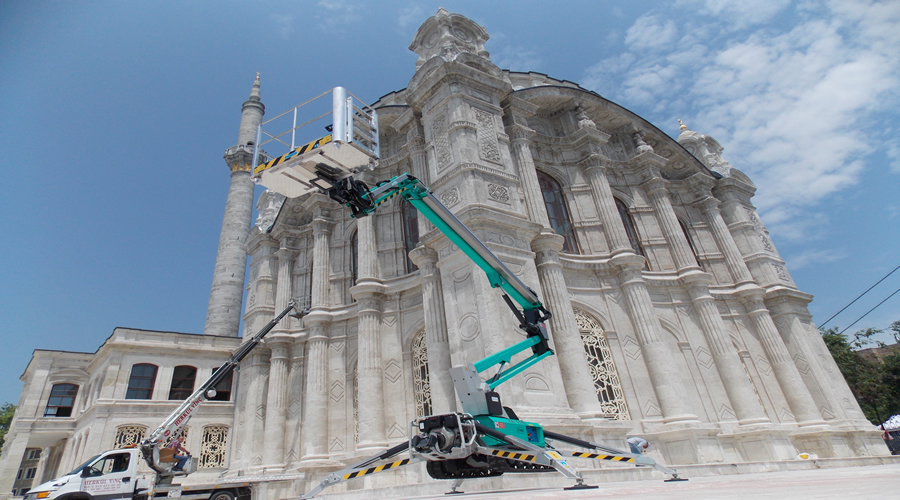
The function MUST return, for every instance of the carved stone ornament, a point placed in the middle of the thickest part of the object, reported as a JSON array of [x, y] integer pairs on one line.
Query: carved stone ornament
[[450, 198], [447, 36], [499, 193], [268, 206]]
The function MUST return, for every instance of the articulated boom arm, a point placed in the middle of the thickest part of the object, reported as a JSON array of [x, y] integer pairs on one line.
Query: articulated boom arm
[[363, 201], [178, 419]]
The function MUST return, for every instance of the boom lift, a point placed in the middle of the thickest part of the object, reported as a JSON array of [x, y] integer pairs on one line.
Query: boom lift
[[486, 438]]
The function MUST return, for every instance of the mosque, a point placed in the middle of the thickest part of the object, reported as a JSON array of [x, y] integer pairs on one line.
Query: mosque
[[674, 316]]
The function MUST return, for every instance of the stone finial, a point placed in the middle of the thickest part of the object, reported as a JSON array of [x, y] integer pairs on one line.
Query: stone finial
[[447, 35], [640, 144], [704, 148], [254, 92]]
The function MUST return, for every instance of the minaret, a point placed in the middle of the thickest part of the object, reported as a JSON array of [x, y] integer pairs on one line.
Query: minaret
[[224, 313]]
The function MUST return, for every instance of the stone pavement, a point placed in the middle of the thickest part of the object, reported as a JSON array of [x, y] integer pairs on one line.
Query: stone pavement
[[870, 482]]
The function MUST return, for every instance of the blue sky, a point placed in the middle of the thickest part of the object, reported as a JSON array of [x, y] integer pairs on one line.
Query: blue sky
[[115, 116]]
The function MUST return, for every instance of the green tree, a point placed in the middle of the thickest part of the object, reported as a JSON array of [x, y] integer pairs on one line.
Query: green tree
[[7, 411], [876, 384]]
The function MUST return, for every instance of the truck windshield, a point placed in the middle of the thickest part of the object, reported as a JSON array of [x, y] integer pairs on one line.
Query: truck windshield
[[78, 469]]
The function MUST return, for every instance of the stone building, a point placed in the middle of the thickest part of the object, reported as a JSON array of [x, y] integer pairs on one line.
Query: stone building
[[674, 317]]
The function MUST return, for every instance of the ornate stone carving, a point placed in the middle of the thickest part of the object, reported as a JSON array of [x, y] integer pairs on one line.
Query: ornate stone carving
[[499, 193], [487, 136], [450, 198], [441, 142]]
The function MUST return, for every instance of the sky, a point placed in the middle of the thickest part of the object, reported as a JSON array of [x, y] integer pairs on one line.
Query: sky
[[114, 116]]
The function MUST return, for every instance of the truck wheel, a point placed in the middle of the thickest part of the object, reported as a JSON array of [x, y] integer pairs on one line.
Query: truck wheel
[[222, 495]]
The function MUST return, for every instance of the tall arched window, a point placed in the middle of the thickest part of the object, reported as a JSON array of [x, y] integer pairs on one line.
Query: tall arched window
[[409, 214], [630, 230], [142, 381], [557, 211], [223, 389], [690, 241], [182, 382], [62, 399], [421, 383], [603, 369]]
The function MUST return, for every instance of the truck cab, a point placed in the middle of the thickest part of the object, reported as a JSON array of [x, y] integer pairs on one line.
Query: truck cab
[[112, 474]]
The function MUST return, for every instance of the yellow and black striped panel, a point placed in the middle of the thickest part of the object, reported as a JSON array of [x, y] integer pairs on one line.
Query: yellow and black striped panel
[[513, 455], [379, 468], [614, 458], [297, 151], [388, 197]]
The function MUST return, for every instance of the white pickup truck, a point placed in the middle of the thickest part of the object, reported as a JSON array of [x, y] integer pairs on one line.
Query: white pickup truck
[[114, 474]]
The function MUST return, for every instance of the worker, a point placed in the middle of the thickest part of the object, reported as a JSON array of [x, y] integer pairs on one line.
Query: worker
[[181, 453], [638, 445]]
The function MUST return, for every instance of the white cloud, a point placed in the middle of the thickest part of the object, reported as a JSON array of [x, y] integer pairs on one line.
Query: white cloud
[[815, 256], [337, 15], [796, 106], [517, 58], [649, 32]]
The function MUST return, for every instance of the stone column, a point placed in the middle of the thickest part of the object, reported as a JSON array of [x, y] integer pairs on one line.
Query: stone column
[[370, 372], [321, 262], [662, 205], [284, 286], [415, 141], [273, 455], [295, 387], [520, 137], [315, 411], [580, 390], [279, 342], [795, 391], [443, 399], [739, 388], [736, 265], [616, 236], [664, 373]]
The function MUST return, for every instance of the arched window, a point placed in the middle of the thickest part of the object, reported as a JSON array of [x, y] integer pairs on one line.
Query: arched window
[[129, 436], [409, 214], [62, 399], [630, 230], [354, 258], [182, 382], [557, 211], [213, 446], [223, 389], [603, 369], [421, 383], [142, 381], [690, 241]]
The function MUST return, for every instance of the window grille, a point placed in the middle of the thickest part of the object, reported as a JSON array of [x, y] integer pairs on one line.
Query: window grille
[[603, 369], [213, 447], [421, 383], [129, 436]]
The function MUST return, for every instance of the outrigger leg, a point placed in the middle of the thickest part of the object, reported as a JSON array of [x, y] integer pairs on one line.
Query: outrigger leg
[[364, 468], [612, 454], [453, 488]]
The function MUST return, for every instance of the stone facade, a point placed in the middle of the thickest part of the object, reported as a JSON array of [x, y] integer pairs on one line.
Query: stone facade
[[674, 317], [102, 414]]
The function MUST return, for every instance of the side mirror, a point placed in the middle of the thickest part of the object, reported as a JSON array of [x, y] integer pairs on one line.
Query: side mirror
[[86, 472]]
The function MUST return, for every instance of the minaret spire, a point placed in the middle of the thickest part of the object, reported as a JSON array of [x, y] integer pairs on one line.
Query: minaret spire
[[223, 316]]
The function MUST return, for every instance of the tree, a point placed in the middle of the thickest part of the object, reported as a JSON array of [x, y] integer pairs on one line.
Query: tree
[[7, 411], [874, 382]]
